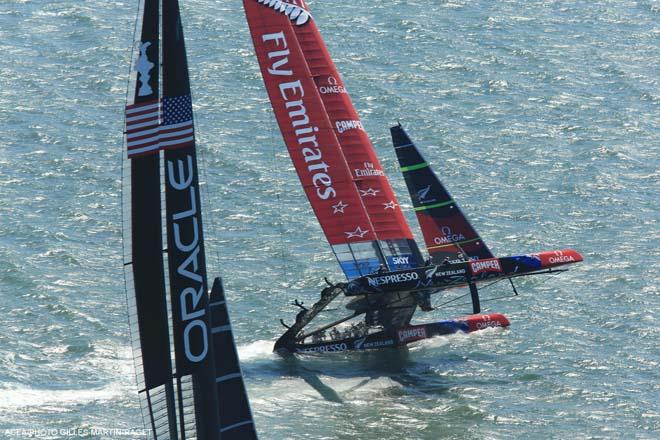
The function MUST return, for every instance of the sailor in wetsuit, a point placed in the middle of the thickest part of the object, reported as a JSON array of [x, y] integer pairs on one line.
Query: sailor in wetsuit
[[424, 298]]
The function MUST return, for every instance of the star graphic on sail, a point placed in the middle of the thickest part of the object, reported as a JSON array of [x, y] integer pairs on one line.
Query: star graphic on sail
[[390, 205], [339, 207], [359, 232], [369, 192]]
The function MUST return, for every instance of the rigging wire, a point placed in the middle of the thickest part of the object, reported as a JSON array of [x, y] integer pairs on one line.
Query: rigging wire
[[205, 192], [470, 303], [124, 159], [205, 195], [284, 267], [440, 306], [392, 303]]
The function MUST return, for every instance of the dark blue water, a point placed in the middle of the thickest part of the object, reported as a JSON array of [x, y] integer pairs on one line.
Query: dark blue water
[[543, 119]]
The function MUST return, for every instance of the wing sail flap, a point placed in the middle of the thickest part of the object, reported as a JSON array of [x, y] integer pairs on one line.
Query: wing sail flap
[[308, 133], [366, 171]]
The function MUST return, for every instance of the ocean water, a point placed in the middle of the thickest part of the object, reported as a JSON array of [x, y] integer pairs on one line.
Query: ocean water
[[543, 119]]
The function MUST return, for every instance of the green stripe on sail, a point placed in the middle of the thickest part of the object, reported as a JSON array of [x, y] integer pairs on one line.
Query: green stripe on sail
[[454, 243], [435, 205], [414, 167]]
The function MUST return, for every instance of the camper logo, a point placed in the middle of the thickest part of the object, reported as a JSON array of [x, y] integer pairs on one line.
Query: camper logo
[[486, 265], [344, 126], [412, 334], [296, 13]]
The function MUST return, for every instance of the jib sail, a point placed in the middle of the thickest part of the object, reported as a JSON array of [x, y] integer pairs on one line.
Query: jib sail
[[448, 234], [171, 328]]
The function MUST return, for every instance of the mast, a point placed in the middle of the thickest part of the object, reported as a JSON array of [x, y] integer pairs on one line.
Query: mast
[[447, 232], [195, 369], [173, 334]]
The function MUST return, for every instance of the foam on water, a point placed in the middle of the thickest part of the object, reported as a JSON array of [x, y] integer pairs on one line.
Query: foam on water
[[18, 399], [257, 350]]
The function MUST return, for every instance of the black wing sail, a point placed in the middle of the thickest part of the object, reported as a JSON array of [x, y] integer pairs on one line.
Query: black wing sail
[[171, 325], [448, 234], [143, 241], [197, 403]]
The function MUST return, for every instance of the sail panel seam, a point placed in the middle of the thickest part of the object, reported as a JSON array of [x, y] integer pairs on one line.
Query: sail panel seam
[[228, 377], [221, 329]]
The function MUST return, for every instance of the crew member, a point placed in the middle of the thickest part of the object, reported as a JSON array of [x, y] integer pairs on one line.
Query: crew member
[[423, 301]]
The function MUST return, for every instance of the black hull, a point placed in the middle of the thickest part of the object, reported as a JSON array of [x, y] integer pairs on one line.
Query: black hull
[[445, 276]]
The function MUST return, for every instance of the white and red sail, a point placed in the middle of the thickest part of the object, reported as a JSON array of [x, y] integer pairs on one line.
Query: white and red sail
[[367, 173], [333, 157]]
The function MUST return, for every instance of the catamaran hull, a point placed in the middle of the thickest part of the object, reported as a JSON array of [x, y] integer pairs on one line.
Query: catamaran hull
[[438, 277], [402, 336]]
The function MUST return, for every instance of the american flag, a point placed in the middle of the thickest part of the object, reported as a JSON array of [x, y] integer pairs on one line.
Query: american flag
[[142, 127], [177, 127], [144, 134]]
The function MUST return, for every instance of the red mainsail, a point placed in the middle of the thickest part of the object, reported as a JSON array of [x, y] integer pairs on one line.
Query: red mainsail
[[366, 171], [305, 127], [332, 154]]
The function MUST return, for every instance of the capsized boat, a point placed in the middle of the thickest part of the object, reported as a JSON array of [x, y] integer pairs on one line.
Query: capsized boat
[[388, 277], [188, 374]]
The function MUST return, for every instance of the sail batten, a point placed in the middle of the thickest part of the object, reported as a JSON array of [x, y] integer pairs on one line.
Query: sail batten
[[235, 415], [365, 168], [366, 171]]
